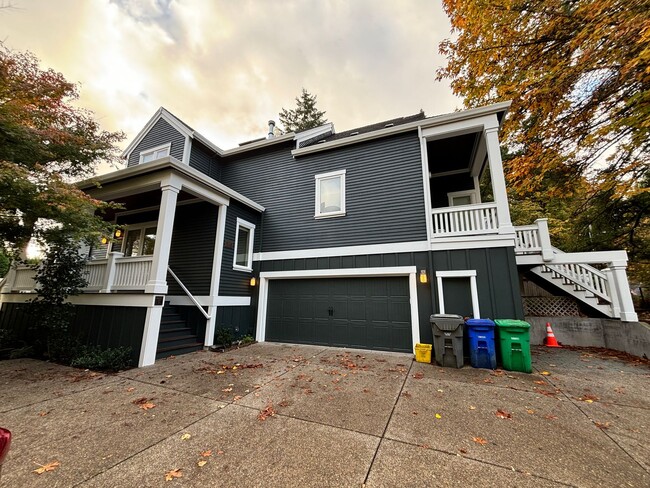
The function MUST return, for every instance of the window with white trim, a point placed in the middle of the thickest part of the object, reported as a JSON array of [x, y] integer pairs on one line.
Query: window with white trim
[[330, 194], [465, 197], [243, 258], [139, 240], [155, 153]]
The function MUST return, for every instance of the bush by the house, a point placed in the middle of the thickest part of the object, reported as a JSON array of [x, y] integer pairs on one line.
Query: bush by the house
[[109, 359]]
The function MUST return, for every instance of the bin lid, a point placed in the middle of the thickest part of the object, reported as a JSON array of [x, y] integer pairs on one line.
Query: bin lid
[[512, 323], [446, 316], [479, 323], [447, 322]]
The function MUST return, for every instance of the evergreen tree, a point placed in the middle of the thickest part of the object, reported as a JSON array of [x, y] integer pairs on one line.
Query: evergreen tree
[[304, 116]]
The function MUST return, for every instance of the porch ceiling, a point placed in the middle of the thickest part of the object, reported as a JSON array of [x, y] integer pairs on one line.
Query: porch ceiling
[[142, 200], [452, 153]]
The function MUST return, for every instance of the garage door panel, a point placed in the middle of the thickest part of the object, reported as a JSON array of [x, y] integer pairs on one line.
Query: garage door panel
[[369, 312]]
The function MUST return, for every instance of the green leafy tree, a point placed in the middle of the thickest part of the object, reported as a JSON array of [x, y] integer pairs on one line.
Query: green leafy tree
[[304, 116], [46, 142]]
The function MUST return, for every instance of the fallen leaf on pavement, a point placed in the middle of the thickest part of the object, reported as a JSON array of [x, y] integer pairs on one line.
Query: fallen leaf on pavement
[[129, 390], [602, 425], [207, 453], [472, 407], [463, 451], [502, 414], [201, 463], [237, 397], [480, 440], [186, 436], [267, 412], [174, 473], [589, 398], [550, 417], [545, 373], [419, 375], [43, 413], [51, 466], [540, 382], [488, 380], [144, 403], [406, 394], [219, 452], [530, 411], [438, 416], [284, 403], [226, 390]]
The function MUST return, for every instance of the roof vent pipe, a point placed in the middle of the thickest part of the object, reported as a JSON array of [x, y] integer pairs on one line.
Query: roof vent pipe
[[271, 129]]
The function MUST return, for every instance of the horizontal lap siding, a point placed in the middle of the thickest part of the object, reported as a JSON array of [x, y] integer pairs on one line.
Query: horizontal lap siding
[[384, 194], [160, 133], [202, 159], [234, 282], [192, 248]]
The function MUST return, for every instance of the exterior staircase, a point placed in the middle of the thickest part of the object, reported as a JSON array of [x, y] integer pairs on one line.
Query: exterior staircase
[[175, 336], [603, 287]]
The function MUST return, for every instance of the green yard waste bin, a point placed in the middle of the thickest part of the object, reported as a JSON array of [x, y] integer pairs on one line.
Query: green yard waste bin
[[514, 339]]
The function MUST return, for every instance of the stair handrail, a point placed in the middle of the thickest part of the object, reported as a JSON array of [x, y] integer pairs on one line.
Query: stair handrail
[[562, 271], [588, 267], [187, 292]]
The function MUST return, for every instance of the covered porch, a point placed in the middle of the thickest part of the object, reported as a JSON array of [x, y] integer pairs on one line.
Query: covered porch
[[465, 187]]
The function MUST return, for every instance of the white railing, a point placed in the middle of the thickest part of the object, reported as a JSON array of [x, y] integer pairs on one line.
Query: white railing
[[527, 239], [24, 279], [131, 273], [95, 273], [465, 220], [584, 277], [189, 295]]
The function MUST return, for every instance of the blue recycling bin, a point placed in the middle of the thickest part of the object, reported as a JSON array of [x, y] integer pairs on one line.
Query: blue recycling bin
[[482, 350]]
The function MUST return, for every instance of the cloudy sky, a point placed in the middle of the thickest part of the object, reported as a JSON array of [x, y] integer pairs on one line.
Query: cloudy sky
[[227, 67]]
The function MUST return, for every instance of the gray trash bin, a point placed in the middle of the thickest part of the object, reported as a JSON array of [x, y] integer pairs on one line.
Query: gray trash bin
[[448, 339]]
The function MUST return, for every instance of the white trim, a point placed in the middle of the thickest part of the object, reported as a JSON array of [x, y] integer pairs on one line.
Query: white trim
[[141, 226], [461, 127], [464, 193], [409, 271], [590, 257], [215, 277], [467, 273], [426, 185], [251, 240], [305, 135], [167, 146], [149, 343], [439, 244], [232, 301], [428, 122], [448, 173], [187, 150], [105, 299], [325, 176], [209, 301]]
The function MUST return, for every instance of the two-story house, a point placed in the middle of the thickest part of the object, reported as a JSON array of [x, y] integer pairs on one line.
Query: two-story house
[[348, 239]]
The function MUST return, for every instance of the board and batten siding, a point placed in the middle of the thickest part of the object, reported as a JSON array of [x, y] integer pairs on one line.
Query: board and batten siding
[[235, 282], [192, 248], [384, 193], [203, 159], [161, 133]]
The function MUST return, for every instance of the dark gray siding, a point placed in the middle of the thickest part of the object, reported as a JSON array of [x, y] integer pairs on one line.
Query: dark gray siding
[[384, 194], [160, 133], [205, 161], [234, 282], [236, 319], [497, 278], [192, 250], [104, 326]]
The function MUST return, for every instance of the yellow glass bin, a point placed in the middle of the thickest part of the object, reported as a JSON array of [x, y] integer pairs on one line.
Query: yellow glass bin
[[423, 353]]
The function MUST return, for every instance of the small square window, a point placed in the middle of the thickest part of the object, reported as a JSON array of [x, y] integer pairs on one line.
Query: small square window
[[330, 194], [243, 258], [155, 153], [140, 240]]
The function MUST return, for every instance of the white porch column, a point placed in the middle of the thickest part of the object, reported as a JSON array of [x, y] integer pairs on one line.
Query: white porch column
[[109, 274], [545, 239], [158, 277], [216, 274], [613, 294], [498, 180], [623, 291]]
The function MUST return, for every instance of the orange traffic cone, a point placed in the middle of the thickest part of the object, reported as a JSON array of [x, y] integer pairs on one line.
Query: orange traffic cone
[[551, 341]]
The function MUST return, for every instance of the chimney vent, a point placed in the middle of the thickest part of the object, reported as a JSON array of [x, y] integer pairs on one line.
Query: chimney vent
[[271, 129]]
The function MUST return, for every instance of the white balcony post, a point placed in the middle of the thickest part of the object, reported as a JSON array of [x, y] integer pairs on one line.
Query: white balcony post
[[623, 291], [158, 277], [498, 180], [109, 274], [613, 294], [544, 239]]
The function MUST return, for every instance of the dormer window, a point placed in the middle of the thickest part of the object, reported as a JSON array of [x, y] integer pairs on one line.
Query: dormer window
[[155, 153]]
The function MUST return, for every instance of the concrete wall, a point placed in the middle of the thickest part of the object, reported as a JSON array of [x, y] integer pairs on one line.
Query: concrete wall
[[630, 337]]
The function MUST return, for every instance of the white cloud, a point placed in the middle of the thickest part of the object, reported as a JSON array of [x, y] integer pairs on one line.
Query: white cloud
[[227, 67]]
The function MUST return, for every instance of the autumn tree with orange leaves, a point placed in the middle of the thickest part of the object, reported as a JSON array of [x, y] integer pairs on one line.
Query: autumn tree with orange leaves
[[46, 143], [578, 131]]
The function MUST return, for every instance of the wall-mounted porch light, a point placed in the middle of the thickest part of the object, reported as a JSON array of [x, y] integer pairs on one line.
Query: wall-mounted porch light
[[253, 281], [423, 276], [118, 233], [104, 240]]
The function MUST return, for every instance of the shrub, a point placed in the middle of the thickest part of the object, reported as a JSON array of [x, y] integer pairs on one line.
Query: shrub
[[109, 359], [224, 337], [247, 339]]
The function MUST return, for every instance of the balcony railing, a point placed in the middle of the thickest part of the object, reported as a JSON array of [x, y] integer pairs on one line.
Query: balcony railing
[[465, 220], [117, 273]]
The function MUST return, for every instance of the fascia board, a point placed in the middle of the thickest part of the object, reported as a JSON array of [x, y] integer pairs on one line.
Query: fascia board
[[424, 124]]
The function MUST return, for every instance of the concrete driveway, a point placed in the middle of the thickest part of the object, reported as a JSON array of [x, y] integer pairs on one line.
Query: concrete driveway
[[341, 418]]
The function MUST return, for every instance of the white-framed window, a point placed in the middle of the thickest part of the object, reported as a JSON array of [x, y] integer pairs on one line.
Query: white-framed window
[[139, 239], [155, 153], [465, 197], [243, 258], [330, 194]]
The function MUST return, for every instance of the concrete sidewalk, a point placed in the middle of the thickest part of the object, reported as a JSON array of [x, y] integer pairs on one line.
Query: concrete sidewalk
[[341, 418]]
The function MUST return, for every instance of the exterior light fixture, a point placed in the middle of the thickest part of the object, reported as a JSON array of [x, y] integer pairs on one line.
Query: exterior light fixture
[[253, 281], [118, 233], [423, 276], [104, 240]]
